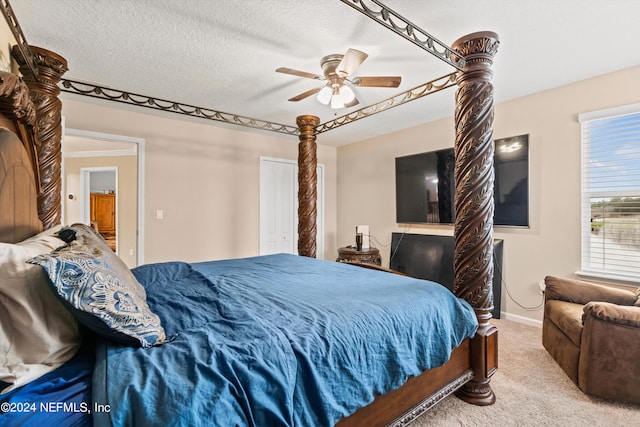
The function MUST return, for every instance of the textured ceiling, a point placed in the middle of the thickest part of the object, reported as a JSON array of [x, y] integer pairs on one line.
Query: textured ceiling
[[222, 54]]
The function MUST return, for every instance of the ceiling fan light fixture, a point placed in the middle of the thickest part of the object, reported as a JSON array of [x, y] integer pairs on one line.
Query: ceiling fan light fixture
[[324, 96], [337, 70], [337, 100], [346, 93]]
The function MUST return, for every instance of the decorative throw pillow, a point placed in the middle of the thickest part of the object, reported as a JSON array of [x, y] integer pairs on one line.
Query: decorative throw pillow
[[37, 333], [100, 290], [637, 303]]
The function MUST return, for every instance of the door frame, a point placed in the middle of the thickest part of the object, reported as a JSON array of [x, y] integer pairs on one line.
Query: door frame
[[85, 191], [140, 181]]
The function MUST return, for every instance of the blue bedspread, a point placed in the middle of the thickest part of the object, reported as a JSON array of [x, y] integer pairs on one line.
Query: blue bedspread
[[278, 340], [59, 398]]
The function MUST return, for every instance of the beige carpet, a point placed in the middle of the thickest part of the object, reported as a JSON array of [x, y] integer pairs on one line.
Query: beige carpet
[[531, 390]]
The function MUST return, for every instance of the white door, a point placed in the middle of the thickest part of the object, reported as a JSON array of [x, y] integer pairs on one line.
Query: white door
[[279, 207], [277, 193]]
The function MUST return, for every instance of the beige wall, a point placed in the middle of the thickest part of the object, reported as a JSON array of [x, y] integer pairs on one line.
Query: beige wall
[[204, 177], [366, 192], [127, 198], [6, 63]]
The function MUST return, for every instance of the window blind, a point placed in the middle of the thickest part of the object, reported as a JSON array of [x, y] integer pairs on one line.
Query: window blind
[[611, 193]]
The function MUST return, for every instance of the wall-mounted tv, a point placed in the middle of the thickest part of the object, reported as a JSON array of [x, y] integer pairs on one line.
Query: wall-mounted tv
[[425, 187]]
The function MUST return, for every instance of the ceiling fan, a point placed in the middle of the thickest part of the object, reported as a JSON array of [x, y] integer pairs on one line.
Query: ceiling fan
[[337, 70]]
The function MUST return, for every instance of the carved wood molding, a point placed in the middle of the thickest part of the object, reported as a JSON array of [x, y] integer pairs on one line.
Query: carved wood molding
[[16, 105], [473, 231], [432, 401], [44, 93], [307, 186], [474, 205]]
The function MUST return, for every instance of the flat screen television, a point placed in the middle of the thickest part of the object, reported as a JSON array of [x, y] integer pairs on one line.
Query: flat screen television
[[425, 185]]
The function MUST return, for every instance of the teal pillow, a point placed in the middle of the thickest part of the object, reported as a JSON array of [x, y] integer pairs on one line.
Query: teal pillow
[[99, 289]]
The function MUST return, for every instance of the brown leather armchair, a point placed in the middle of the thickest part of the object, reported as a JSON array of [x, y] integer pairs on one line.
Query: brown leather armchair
[[593, 333]]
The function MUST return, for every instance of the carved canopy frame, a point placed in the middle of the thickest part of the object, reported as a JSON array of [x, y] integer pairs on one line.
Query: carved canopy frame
[[471, 56]]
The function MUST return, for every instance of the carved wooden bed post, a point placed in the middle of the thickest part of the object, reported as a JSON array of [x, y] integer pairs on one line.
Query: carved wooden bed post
[[307, 186], [48, 130], [473, 230]]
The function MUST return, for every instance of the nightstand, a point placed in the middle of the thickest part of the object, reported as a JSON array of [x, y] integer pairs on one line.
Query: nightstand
[[350, 254]]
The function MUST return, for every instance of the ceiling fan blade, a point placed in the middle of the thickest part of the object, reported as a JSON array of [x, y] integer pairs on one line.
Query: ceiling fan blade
[[378, 81], [303, 95], [352, 103], [298, 73], [350, 62]]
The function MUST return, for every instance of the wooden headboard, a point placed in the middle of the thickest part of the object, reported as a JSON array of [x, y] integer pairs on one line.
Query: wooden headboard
[[31, 115], [19, 180]]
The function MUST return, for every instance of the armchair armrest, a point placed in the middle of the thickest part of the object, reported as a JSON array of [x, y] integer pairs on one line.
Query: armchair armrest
[[610, 351], [580, 292], [619, 314]]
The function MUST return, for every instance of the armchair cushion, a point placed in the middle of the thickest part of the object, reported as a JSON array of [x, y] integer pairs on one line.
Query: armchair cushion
[[567, 316]]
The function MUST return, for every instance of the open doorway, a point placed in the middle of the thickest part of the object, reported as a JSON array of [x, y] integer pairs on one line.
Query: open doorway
[[99, 187], [88, 155]]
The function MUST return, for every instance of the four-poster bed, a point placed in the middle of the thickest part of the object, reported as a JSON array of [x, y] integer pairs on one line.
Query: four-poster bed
[[473, 360]]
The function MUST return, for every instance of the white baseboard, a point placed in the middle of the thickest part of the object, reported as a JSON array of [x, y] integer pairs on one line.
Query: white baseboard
[[521, 319]]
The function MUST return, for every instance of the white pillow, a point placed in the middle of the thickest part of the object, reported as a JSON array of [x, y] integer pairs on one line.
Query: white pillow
[[37, 333]]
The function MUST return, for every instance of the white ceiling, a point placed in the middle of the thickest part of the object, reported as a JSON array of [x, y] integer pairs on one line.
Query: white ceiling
[[222, 54]]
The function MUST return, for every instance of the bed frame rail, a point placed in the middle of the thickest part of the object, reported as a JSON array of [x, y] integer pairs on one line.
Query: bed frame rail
[[409, 400]]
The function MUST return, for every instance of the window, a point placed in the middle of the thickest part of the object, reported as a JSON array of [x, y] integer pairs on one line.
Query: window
[[611, 193]]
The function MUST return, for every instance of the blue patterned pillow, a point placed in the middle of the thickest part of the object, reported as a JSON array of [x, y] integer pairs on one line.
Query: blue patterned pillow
[[100, 290]]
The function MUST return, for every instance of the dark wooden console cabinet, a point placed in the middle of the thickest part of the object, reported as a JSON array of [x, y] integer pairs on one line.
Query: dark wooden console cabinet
[[430, 257]]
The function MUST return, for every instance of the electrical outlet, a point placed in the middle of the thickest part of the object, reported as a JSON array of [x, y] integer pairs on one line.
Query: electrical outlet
[[159, 214]]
